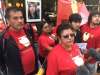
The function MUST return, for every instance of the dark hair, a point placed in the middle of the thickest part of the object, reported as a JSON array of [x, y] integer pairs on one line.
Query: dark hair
[[75, 18], [10, 9], [41, 24], [91, 15], [32, 3], [62, 27]]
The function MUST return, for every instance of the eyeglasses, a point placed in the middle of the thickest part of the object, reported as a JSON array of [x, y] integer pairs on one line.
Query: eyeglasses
[[70, 35]]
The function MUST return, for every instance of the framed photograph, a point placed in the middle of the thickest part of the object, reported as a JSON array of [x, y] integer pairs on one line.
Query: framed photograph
[[33, 10]]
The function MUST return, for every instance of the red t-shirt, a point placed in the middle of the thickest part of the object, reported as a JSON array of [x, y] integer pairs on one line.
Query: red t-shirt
[[60, 61], [94, 34], [94, 38], [97, 42], [44, 41], [26, 51]]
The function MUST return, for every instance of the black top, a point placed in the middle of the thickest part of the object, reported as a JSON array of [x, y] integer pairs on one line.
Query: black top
[[78, 37]]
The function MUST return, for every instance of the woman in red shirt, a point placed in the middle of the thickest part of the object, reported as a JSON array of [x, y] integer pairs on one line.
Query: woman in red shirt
[[46, 41], [65, 58]]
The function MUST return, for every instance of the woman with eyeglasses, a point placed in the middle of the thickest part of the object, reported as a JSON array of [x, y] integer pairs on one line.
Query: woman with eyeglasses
[[65, 58]]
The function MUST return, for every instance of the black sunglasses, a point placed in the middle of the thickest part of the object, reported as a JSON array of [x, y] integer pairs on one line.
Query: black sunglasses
[[67, 36]]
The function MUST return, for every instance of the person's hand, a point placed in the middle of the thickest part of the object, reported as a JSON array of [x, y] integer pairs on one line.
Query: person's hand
[[53, 36]]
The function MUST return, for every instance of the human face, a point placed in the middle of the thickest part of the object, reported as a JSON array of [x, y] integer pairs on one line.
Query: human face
[[16, 20], [46, 28], [32, 8], [67, 37], [96, 20], [76, 25]]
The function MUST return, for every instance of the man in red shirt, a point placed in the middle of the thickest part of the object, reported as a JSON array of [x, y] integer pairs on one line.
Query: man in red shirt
[[65, 58], [18, 52], [91, 30], [91, 35]]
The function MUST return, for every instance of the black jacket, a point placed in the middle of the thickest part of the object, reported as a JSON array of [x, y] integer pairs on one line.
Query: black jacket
[[10, 57], [78, 37]]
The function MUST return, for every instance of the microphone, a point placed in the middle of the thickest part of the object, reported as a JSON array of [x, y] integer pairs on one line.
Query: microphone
[[93, 53]]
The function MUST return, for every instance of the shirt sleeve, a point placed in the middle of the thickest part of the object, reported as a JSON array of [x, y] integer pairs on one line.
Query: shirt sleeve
[[52, 67], [44, 43]]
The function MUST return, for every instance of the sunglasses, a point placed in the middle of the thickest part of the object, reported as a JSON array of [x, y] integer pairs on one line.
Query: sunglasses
[[70, 35]]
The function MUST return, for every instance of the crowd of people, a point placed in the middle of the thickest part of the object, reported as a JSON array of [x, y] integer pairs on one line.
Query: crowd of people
[[24, 48]]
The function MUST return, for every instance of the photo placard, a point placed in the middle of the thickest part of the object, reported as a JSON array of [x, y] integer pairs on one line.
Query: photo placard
[[33, 10]]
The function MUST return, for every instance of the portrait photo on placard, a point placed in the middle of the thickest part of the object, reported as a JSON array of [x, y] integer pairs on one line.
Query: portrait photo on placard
[[33, 10]]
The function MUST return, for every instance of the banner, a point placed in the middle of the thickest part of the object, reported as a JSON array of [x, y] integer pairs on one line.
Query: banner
[[82, 10], [63, 11], [74, 6], [67, 7]]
